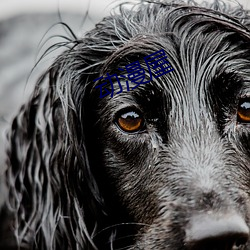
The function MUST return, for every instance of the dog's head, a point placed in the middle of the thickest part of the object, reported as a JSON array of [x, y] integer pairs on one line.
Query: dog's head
[[164, 165]]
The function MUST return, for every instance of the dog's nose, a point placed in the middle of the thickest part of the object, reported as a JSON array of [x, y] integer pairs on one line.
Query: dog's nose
[[217, 232]]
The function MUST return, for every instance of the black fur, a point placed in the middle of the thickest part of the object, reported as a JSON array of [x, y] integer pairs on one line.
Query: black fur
[[77, 181]]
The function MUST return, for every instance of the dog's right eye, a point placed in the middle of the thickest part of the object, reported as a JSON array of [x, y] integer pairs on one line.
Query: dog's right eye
[[243, 113], [130, 121]]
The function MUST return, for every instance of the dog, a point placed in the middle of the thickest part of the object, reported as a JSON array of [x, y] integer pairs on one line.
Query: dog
[[163, 166]]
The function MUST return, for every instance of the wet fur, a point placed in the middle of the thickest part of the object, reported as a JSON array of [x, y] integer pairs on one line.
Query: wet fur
[[78, 182]]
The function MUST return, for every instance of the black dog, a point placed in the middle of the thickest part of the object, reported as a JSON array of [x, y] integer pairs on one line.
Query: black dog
[[162, 166]]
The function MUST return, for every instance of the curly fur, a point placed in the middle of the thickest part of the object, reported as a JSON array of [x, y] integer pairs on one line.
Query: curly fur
[[76, 182]]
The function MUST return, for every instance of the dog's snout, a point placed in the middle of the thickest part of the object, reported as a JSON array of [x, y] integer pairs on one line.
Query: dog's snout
[[217, 232]]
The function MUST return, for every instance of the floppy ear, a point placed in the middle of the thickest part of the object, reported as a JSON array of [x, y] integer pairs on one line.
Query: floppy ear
[[51, 186], [53, 197]]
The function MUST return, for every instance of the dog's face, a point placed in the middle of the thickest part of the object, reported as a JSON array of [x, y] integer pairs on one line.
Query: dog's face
[[176, 149], [162, 166]]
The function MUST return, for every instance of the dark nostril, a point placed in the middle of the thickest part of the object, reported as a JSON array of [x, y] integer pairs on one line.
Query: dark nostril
[[217, 232], [240, 241], [223, 242]]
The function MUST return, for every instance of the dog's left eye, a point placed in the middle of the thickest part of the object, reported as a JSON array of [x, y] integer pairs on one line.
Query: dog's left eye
[[243, 113], [130, 121]]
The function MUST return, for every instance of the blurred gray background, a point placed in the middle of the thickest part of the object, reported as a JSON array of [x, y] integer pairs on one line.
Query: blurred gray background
[[23, 23]]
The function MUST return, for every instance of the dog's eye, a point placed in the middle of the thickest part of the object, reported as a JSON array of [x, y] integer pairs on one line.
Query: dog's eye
[[243, 113], [130, 121]]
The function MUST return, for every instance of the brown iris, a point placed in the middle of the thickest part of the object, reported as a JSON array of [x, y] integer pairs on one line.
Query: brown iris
[[130, 122], [243, 112]]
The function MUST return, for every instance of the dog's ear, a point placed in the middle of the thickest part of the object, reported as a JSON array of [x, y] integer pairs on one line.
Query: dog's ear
[[53, 195], [51, 186]]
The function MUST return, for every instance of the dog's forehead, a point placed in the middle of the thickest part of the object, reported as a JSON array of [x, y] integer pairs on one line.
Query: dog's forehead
[[209, 54], [197, 41], [198, 57]]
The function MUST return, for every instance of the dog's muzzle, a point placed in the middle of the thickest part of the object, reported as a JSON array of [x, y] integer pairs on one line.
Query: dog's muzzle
[[217, 232]]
